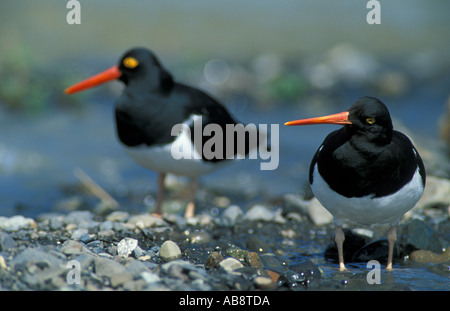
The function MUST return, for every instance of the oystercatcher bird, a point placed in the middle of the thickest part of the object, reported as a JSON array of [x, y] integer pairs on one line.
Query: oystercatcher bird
[[366, 172], [151, 104]]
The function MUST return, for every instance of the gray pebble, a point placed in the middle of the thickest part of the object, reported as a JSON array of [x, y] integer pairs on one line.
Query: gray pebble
[[56, 222], [138, 252], [150, 277], [104, 267], [259, 213], [39, 256], [86, 238], [271, 262], [106, 225], [78, 217], [231, 215], [96, 243], [106, 234], [6, 241], [120, 278], [78, 233], [169, 251], [146, 221], [295, 203], [118, 216], [72, 247]]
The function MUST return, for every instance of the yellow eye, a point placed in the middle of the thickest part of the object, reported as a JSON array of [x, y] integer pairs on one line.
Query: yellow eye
[[130, 62], [370, 120]]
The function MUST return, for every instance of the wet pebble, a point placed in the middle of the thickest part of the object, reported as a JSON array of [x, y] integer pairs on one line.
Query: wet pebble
[[442, 269], [236, 253], [305, 274], [262, 213], [271, 262], [253, 260], [416, 234], [213, 260], [257, 245], [200, 237], [230, 264], [425, 256], [264, 283]]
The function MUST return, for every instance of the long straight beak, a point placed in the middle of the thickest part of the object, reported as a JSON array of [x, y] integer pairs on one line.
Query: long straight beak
[[105, 76], [338, 118]]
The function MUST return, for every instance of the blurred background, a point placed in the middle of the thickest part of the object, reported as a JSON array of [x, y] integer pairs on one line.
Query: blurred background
[[268, 61]]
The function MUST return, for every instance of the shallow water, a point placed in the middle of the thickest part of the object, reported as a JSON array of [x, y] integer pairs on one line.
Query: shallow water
[[40, 153]]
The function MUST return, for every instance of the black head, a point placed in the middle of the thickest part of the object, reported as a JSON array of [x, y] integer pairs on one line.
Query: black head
[[138, 67], [142, 65], [368, 118], [371, 118]]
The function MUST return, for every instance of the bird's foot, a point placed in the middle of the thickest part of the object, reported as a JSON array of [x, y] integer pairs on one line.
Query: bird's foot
[[342, 267]]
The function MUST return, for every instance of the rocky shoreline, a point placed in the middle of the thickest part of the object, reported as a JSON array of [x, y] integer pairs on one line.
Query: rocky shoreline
[[281, 245]]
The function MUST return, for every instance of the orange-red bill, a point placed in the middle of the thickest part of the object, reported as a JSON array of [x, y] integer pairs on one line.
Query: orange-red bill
[[338, 118], [105, 76]]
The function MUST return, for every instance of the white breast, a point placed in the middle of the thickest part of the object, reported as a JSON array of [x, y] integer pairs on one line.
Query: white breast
[[187, 161], [367, 210]]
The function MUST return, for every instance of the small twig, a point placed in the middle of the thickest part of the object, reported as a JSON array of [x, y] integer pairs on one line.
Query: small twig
[[95, 188]]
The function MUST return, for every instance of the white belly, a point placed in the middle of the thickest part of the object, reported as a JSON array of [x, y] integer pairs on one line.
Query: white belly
[[161, 159], [367, 210]]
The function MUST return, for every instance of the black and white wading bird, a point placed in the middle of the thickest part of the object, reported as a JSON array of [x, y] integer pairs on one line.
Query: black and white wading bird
[[366, 172], [151, 104]]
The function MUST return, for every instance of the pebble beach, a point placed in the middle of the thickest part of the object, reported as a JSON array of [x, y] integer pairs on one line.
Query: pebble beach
[[285, 245]]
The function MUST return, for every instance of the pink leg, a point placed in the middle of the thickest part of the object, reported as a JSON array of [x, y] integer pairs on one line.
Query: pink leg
[[339, 239], [190, 208], [391, 237]]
